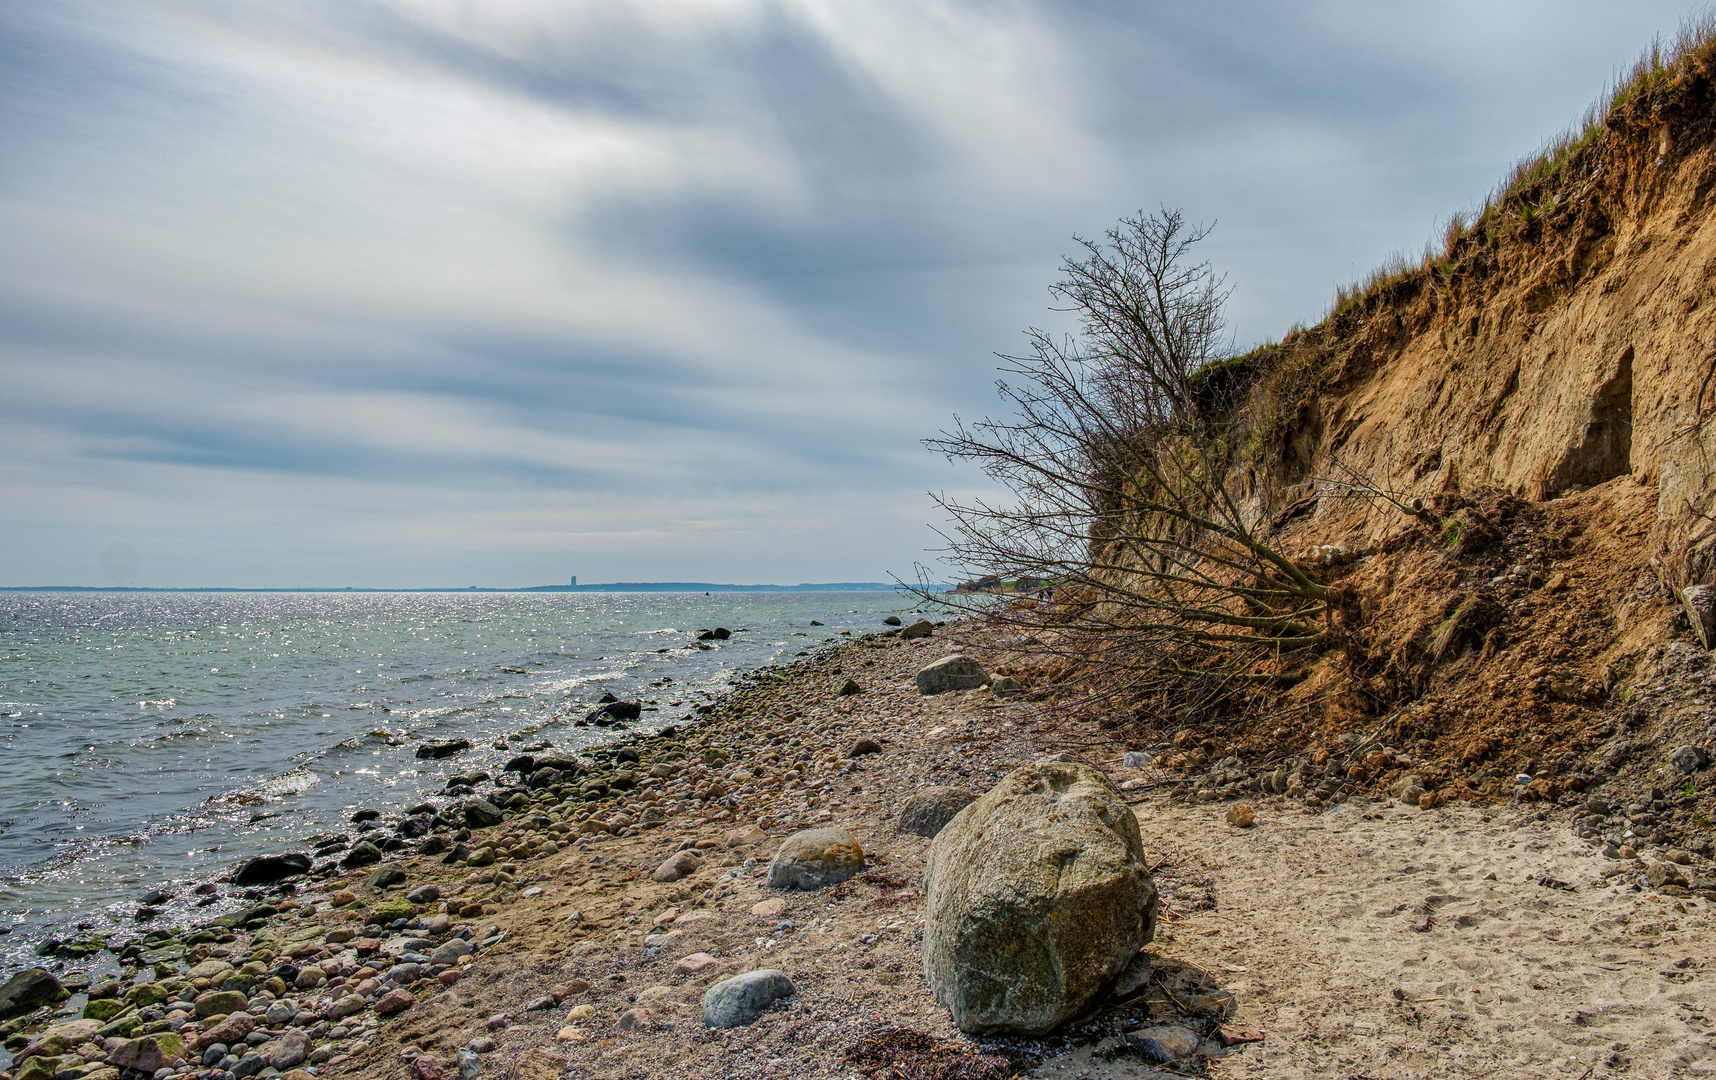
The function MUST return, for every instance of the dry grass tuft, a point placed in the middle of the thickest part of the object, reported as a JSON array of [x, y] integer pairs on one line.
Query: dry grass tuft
[[1539, 181]]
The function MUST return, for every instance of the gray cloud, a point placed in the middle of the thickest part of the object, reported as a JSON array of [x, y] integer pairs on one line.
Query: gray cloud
[[421, 291]]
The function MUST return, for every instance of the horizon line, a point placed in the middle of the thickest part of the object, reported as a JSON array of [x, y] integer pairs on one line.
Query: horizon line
[[612, 587]]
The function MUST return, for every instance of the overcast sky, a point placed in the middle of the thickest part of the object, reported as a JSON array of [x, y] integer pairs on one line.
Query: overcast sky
[[451, 292]]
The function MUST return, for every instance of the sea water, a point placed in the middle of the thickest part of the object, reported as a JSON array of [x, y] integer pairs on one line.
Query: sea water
[[152, 740]]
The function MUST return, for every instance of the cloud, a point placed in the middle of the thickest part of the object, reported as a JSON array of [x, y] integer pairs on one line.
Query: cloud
[[407, 292]]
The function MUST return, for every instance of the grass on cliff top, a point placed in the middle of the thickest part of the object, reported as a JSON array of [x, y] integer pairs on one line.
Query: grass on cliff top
[[1529, 188]]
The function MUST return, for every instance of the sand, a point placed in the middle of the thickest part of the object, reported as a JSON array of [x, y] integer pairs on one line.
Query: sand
[[1392, 942]]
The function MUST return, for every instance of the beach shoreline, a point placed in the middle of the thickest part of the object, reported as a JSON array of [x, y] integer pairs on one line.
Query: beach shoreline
[[1373, 936], [133, 766]]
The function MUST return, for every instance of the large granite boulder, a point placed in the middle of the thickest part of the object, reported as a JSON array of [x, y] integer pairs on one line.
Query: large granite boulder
[[929, 811], [954, 672], [814, 858], [1036, 897]]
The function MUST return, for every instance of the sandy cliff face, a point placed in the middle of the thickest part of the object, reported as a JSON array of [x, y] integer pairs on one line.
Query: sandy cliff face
[[1567, 343]]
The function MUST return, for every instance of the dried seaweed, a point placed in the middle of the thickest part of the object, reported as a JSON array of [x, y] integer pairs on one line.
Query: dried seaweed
[[904, 1054]]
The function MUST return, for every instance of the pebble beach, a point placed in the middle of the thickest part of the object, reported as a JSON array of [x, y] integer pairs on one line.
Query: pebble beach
[[613, 926]]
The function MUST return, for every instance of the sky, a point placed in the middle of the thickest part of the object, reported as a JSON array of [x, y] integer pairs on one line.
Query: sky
[[409, 293]]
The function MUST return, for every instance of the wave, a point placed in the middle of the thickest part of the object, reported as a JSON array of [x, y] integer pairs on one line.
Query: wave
[[281, 787], [431, 714], [578, 682]]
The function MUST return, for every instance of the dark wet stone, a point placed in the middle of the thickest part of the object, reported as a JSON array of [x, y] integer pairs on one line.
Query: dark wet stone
[[268, 869], [362, 853], [443, 749], [28, 990]]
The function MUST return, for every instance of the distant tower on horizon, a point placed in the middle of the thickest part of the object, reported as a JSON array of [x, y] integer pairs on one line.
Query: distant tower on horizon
[[574, 581]]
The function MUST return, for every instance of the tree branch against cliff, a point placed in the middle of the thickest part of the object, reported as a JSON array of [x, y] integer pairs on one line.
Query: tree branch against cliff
[[1117, 475]]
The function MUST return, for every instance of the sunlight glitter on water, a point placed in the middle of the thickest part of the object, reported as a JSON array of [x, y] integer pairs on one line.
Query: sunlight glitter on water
[[168, 735]]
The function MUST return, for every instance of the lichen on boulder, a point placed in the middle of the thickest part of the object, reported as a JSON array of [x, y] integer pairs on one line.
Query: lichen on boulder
[[1036, 897], [815, 858]]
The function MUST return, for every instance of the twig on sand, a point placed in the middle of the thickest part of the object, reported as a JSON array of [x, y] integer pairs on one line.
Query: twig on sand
[[1146, 788], [1177, 1002]]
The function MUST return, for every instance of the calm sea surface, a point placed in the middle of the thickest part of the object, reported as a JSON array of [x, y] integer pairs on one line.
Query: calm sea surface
[[151, 739]]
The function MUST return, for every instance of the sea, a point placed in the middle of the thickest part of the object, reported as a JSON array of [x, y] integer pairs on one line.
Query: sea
[[154, 740]]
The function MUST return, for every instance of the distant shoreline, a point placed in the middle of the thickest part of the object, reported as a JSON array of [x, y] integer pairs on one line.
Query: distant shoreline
[[616, 587]]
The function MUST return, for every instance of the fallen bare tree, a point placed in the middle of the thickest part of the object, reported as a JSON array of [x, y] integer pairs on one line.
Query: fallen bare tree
[[1116, 461]]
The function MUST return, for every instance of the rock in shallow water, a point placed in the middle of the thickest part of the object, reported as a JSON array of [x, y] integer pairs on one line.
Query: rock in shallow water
[[741, 999], [443, 749], [815, 858], [29, 989], [1035, 898]]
